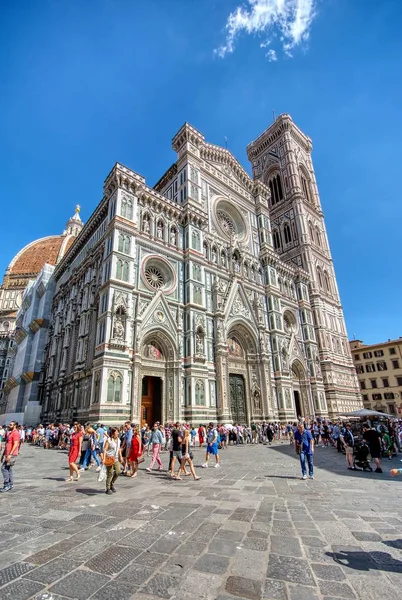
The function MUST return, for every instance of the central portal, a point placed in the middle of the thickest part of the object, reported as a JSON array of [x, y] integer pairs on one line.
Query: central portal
[[298, 409], [237, 399], [151, 400]]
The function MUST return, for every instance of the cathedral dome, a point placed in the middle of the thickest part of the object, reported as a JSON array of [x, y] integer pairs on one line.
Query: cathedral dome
[[30, 260], [48, 250]]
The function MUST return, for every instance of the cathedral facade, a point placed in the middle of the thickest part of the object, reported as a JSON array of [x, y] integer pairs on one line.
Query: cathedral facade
[[210, 296]]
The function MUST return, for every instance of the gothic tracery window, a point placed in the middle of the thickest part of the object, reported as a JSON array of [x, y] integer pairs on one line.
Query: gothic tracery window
[[287, 233], [127, 208], [199, 393], [311, 230], [327, 283], [276, 239], [124, 243], [319, 274], [275, 187], [318, 236], [122, 270], [114, 384]]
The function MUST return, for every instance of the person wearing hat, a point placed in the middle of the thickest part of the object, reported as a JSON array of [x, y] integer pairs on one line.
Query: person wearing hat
[[212, 446]]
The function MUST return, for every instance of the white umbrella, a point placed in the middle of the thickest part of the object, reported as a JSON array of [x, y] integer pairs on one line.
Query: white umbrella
[[365, 412]]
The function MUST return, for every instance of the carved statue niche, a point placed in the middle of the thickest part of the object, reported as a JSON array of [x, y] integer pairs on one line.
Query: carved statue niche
[[159, 229], [173, 236], [119, 324], [256, 398], [145, 224]]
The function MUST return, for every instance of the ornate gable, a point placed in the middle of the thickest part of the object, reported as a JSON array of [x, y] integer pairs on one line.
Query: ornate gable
[[238, 304], [158, 315]]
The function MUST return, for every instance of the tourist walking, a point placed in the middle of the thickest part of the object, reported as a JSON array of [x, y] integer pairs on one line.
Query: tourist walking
[[177, 439], [187, 457], [373, 439], [304, 444], [126, 446], [212, 446], [201, 435], [112, 459], [156, 439], [348, 441], [75, 451], [136, 452], [10, 456], [92, 451]]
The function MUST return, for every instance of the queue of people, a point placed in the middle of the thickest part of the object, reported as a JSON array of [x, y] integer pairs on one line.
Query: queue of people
[[96, 445]]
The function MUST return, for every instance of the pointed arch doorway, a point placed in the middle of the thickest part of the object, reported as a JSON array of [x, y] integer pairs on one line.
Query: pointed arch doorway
[[299, 389], [151, 400]]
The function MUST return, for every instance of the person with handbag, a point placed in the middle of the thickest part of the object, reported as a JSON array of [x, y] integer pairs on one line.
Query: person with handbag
[[136, 456], [9, 456], [112, 459], [304, 445], [187, 457]]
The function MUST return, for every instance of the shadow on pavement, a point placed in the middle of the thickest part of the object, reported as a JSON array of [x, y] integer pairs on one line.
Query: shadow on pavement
[[89, 491], [367, 561], [393, 543]]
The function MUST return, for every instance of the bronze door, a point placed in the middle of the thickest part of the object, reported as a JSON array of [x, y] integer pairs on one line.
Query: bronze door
[[237, 399]]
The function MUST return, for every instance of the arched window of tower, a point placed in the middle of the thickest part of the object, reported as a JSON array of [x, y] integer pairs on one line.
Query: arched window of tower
[[311, 230], [276, 239], [276, 189], [318, 236], [305, 184], [327, 282], [319, 274], [287, 233]]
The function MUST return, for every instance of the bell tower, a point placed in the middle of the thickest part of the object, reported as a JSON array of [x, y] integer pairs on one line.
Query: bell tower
[[281, 158]]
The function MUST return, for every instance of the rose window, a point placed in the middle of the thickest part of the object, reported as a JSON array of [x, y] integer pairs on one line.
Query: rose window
[[226, 222], [158, 274], [229, 220], [154, 277]]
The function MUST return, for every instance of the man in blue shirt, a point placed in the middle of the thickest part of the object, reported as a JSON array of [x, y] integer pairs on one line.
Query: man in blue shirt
[[304, 444]]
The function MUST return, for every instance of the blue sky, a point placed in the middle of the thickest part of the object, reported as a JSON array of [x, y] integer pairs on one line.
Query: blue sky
[[86, 83]]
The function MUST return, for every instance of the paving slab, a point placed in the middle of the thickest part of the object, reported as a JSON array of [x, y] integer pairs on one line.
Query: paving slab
[[250, 530]]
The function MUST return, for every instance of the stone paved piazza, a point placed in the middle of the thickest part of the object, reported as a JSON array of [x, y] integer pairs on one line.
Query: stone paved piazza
[[250, 530]]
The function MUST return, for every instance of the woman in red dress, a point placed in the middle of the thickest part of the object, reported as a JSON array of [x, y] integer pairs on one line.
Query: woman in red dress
[[75, 451], [201, 432], [136, 452]]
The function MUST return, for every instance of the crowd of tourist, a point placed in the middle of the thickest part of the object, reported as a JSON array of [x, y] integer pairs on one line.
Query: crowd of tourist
[[116, 451]]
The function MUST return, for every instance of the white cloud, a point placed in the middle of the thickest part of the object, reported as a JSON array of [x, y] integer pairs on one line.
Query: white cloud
[[291, 18], [271, 55]]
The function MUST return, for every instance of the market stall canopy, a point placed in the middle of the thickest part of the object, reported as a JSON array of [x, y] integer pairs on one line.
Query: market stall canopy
[[365, 412]]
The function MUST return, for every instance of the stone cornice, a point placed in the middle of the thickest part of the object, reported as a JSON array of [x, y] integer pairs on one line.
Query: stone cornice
[[166, 178], [210, 152], [282, 124]]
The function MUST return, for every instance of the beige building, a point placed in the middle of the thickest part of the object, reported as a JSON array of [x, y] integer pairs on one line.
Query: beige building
[[210, 296], [379, 370]]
